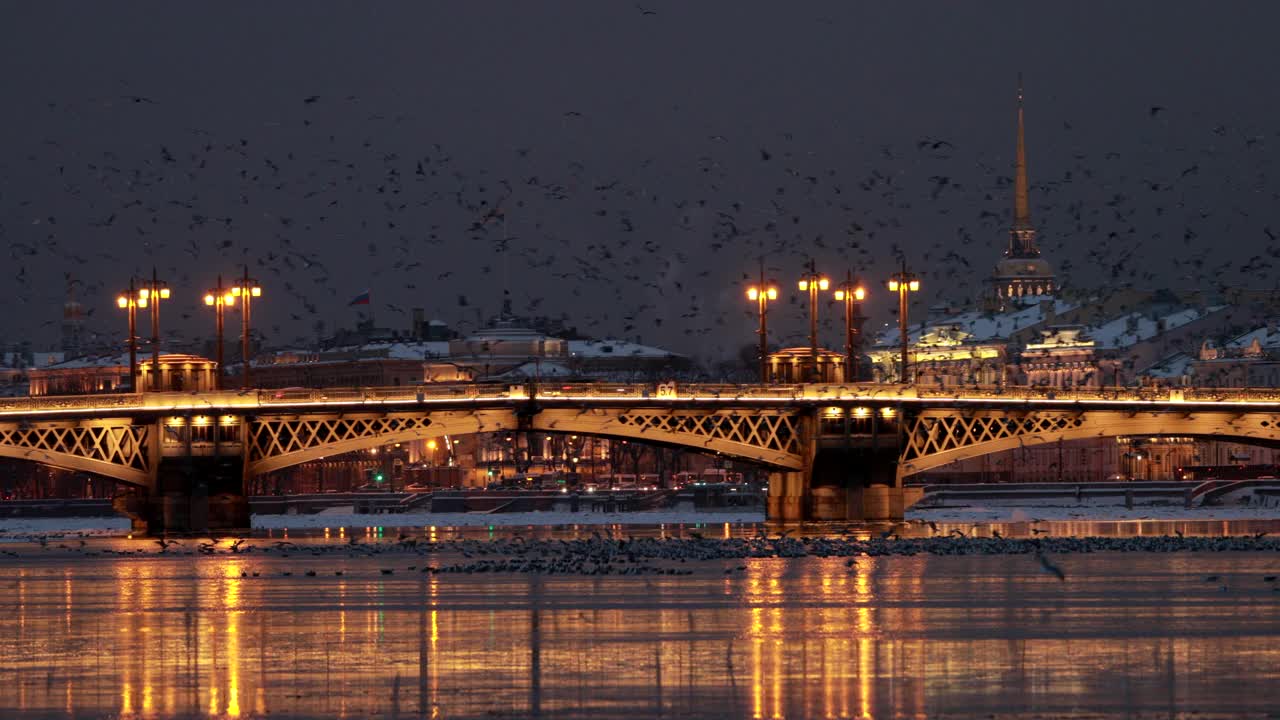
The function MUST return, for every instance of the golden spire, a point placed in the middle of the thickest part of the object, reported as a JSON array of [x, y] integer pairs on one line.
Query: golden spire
[[1021, 208]]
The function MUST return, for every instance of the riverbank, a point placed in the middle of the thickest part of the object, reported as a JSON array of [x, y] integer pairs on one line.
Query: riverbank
[[958, 514]]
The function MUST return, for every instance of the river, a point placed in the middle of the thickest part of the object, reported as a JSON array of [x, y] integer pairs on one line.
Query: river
[[149, 635]]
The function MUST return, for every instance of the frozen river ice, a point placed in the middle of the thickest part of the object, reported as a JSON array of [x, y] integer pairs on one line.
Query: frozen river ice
[[231, 635]]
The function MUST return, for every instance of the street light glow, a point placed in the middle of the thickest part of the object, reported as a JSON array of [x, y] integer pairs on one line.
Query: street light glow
[[893, 285], [753, 293], [209, 299], [914, 285], [122, 302]]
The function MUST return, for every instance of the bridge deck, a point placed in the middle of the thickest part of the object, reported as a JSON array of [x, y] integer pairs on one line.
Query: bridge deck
[[610, 394]]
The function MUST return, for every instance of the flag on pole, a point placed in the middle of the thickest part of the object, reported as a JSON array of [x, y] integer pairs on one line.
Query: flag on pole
[[361, 299]]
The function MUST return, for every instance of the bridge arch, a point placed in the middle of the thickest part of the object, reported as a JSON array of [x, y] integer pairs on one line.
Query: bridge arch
[[940, 437], [769, 437], [114, 448], [280, 441]]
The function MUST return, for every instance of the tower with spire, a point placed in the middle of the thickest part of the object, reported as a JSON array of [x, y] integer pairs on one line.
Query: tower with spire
[[72, 340], [1021, 276]]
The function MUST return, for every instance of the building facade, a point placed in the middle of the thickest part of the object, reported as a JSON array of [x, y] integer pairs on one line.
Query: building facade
[[110, 374]]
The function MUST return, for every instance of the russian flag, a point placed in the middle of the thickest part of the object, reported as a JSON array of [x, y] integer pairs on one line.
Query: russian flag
[[361, 299]]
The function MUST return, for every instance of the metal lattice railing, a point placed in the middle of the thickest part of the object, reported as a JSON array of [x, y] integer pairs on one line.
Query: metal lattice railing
[[772, 431], [124, 445], [932, 434], [273, 437]]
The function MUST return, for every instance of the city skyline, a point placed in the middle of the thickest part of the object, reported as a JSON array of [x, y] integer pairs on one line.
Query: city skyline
[[626, 234]]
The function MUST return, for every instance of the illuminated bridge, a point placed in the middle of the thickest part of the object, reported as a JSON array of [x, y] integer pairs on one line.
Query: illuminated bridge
[[832, 451]]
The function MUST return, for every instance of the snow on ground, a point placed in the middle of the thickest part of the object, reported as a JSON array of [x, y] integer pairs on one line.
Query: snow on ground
[[1003, 513], [342, 517], [75, 526], [650, 517]]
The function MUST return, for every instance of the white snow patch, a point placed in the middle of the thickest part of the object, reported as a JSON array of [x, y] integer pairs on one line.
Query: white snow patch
[[77, 526], [655, 517], [1103, 513]]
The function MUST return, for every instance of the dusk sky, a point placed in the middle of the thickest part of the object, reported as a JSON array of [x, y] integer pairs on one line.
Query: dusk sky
[[642, 156]]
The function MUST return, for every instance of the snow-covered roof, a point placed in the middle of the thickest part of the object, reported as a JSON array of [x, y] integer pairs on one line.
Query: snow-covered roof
[[1267, 337], [47, 358], [403, 350], [616, 348], [980, 326], [412, 350], [546, 369], [509, 334], [121, 360], [1132, 328], [1175, 366]]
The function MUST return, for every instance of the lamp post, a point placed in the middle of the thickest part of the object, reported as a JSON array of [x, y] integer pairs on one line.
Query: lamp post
[[852, 293], [219, 298], [130, 301], [762, 294], [246, 291], [813, 283], [904, 283], [152, 294]]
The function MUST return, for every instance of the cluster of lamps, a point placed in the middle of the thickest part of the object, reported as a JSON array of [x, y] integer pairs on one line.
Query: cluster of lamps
[[149, 296], [852, 293]]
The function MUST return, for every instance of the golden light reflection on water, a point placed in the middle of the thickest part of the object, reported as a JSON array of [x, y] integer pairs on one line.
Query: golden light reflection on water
[[890, 636]]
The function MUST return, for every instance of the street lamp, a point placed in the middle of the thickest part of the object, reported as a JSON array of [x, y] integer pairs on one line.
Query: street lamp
[[246, 291], [762, 294], [130, 301], [152, 294], [219, 298], [813, 283], [852, 293], [904, 283]]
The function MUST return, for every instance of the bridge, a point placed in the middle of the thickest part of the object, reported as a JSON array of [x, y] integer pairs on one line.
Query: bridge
[[832, 451]]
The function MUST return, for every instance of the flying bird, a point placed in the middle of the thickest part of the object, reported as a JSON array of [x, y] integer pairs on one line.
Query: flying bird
[[1048, 566]]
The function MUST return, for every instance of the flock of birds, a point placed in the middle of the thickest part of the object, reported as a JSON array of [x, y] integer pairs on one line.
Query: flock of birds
[[615, 554], [660, 248]]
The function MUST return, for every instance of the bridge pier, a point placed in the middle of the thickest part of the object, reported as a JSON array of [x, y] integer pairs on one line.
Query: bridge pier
[[789, 498], [857, 485], [195, 495], [206, 497]]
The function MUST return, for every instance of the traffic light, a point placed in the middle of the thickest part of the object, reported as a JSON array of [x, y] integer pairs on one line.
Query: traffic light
[[377, 477]]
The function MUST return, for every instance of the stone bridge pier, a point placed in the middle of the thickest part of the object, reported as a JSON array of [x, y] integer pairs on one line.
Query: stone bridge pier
[[851, 469], [195, 477]]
